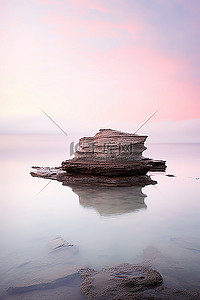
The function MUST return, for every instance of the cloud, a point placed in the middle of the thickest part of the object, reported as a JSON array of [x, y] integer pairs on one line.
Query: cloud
[[99, 60], [133, 64], [77, 28], [90, 4], [46, 2]]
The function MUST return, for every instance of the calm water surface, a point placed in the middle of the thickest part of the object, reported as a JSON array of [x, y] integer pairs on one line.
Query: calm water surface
[[156, 225]]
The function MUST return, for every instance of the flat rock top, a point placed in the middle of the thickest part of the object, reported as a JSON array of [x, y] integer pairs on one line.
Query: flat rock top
[[107, 132]]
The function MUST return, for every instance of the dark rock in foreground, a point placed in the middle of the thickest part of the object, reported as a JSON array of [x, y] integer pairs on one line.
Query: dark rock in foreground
[[119, 282], [130, 282]]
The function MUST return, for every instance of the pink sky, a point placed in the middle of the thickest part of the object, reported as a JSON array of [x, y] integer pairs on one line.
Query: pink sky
[[100, 61]]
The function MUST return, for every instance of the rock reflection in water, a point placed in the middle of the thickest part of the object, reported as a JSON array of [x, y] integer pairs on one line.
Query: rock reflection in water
[[111, 200]]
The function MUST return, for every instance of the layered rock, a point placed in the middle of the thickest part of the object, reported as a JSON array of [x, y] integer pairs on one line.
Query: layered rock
[[106, 167], [110, 157], [110, 144], [74, 179], [112, 153]]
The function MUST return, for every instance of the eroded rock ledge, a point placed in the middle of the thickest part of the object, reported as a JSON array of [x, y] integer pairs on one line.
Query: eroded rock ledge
[[111, 168], [72, 179]]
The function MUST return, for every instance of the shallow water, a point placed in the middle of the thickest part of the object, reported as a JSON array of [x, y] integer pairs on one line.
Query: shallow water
[[156, 225]]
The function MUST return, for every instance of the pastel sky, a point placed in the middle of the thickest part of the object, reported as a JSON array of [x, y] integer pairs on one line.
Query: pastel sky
[[99, 61]]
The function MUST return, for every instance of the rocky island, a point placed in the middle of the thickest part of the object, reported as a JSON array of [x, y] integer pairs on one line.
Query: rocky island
[[110, 157]]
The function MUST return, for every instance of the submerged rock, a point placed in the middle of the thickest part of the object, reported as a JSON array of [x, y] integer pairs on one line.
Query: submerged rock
[[58, 243], [66, 287]]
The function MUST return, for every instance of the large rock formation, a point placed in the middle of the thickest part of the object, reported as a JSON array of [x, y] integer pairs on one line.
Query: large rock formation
[[112, 153], [111, 157]]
